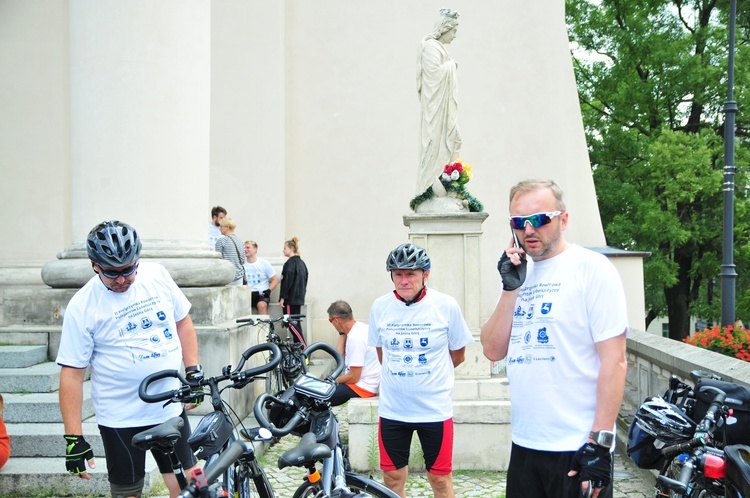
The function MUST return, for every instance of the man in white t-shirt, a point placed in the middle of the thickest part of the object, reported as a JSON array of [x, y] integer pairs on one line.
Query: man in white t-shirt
[[261, 277], [129, 321], [218, 213], [561, 322], [420, 336], [361, 377]]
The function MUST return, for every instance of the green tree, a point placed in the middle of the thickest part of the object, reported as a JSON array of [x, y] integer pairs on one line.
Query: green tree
[[652, 84]]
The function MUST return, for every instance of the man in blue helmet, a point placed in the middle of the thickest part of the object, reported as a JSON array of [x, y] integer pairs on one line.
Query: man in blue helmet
[[420, 336], [127, 322]]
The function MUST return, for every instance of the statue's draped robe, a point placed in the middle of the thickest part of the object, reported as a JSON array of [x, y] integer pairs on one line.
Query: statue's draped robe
[[436, 86]]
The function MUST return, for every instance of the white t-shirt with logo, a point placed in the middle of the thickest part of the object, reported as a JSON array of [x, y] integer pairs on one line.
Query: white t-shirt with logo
[[258, 274], [566, 305], [416, 378], [124, 337], [359, 354]]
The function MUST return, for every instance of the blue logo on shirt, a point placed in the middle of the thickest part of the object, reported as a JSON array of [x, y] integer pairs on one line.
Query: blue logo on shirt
[[161, 315], [541, 336], [546, 308], [408, 358], [423, 341], [146, 323], [408, 344]]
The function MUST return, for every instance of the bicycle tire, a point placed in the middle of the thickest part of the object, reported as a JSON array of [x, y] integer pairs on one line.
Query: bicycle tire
[[355, 482], [275, 381], [251, 481]]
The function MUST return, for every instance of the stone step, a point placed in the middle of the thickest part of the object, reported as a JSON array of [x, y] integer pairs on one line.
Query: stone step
[[41, 407], [47, 477], [21, 356], [41, 378]]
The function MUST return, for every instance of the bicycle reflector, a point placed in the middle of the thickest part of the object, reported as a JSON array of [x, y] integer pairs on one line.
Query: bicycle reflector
[[714, 466]]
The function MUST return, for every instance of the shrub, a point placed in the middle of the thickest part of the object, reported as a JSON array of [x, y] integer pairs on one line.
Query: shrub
[[731, 340]]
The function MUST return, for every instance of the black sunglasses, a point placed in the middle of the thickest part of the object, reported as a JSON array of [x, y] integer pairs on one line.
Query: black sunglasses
[[117, 274]]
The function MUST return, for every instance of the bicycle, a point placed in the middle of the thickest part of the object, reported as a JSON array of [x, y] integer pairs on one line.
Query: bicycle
[[304, 410], [215, 432], [282, 376]]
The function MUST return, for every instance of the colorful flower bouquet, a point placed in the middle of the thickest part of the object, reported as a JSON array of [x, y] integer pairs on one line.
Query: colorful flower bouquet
[[731, 340], [454, 178]]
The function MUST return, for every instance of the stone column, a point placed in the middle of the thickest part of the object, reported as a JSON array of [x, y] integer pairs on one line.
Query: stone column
[[452, 241], [140, 122]]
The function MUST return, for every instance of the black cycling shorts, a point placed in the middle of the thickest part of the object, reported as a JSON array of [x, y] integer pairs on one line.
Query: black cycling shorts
[[126, 464], [395, 437], [257, 297]]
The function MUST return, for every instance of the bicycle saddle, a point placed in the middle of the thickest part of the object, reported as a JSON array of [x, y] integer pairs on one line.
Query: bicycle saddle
[[307, 452], [163, 436]]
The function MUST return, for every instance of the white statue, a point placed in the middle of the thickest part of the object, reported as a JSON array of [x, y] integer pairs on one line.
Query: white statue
[[436, 86]]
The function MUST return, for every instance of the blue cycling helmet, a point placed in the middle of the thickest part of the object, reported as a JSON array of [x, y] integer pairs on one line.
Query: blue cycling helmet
[[407, 257], [113, 244]]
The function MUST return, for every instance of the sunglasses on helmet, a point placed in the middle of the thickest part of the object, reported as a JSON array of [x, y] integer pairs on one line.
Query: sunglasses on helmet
[[117, 274], [536, 220]]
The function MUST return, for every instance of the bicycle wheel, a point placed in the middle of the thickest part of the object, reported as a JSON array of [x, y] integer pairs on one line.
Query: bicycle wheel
[[355, 482], [275, 381], [251, 481]]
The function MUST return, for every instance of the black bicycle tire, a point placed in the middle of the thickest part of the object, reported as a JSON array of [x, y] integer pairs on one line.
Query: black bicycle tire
[[355, 482], [275, 381], [253, 483]]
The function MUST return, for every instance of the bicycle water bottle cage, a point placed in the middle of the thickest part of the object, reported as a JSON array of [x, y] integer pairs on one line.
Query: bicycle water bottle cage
[[210, 435]]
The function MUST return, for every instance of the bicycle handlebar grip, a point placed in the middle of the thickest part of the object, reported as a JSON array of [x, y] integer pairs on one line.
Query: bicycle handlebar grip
[[266, 367], [332, 352], [251, 321], [163, 374], [225, 459], [672, 451]]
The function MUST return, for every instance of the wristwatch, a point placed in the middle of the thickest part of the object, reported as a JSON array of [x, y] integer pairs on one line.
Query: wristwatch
[[603, 438]]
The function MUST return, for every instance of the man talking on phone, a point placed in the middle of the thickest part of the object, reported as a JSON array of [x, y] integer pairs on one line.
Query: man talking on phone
[[561, 322]]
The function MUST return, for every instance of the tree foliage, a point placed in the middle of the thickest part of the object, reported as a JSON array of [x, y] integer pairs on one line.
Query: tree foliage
[[652, 82]]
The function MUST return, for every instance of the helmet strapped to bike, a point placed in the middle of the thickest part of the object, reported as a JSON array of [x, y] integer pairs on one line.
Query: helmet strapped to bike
[[664, 421], [113, 244], [642, 448], [407, 257]]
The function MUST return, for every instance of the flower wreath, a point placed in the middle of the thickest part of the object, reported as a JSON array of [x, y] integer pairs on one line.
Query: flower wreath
[[454, 178]]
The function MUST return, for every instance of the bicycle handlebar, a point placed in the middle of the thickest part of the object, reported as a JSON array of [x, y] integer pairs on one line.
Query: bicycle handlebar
[[282, 318], [333, 352], [185, 391], [262, 420], [705, 426]]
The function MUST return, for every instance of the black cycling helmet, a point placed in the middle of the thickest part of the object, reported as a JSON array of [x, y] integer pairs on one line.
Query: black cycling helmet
[[113, 244], [407, 257], [664, 421]]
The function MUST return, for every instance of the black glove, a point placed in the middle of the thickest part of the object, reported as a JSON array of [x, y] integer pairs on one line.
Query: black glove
[[267, 293], [76, 451], [194, 376], [593, 463], [513, 275]]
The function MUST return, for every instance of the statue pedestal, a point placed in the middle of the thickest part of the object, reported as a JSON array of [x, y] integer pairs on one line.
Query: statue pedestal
[[453, 242]]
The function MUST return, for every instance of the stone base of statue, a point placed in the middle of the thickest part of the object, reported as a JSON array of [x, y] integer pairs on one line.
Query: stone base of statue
[[449, 203], [453, 241]]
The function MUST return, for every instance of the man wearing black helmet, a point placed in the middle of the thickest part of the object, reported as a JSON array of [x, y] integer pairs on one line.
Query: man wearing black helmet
[[420, 336], [128, 321]]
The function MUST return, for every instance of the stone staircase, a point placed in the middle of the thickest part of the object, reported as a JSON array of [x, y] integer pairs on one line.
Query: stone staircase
[[29, 382]]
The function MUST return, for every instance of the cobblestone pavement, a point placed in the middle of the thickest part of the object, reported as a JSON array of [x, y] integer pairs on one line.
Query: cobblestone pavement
[[630, 481]]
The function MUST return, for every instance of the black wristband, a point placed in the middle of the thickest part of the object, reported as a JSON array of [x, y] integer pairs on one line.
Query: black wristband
[[193, 368]]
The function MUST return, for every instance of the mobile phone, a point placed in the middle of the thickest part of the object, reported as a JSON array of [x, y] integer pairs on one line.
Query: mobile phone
[[517, 243]]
